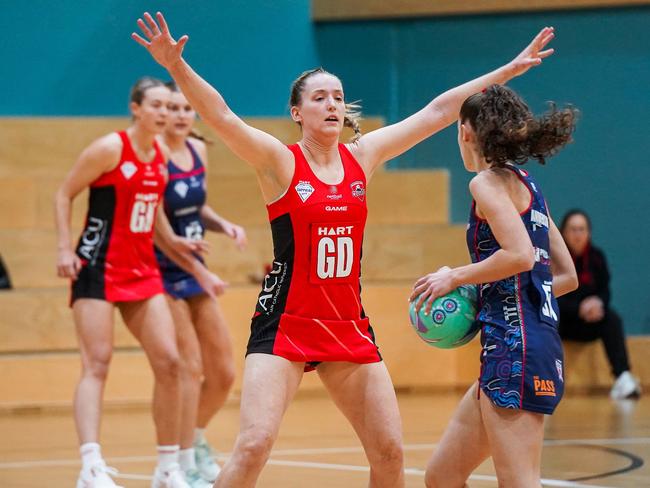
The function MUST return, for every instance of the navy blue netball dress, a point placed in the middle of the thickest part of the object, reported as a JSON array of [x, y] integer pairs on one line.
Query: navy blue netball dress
[[522, 359], [184, 197]]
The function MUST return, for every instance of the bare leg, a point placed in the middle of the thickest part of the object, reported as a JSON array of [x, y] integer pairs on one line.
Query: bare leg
[[516, 438], [151, 323], [190, 370], [270, 382], [216, 351], [94, 325], [464, 445], [365, 395]]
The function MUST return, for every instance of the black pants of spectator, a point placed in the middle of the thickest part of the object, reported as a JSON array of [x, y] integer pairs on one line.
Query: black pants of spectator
[[610, 330]]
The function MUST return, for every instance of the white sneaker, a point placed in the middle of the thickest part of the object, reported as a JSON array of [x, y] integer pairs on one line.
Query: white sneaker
[[172, 477], [625, 386], [194, 479], [98, 476], [205, 463]]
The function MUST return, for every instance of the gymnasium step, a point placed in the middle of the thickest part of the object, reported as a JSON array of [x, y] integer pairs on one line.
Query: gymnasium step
[[390, 252], [49, 146], [394, 197], [39, 364]]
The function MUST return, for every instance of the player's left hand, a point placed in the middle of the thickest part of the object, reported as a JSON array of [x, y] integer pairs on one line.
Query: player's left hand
[[534, 52], [237, 233], [432, 286]]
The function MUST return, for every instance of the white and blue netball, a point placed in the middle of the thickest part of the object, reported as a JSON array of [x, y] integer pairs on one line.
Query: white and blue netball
[[451, 321]]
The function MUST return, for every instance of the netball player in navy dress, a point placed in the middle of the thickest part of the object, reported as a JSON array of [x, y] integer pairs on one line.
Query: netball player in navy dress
[[309, 314], [204, 343], [520, 264], [114, 266]]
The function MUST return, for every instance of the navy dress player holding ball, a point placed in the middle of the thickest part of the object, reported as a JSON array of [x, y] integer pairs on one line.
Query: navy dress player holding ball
[[520, 264]]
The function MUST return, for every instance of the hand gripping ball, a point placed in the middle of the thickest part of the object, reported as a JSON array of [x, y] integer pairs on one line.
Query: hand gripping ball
[[451, 322]]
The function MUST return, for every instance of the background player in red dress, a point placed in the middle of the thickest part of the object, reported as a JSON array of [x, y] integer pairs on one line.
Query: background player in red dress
[[204, 342], [114, 266], [308, 314]]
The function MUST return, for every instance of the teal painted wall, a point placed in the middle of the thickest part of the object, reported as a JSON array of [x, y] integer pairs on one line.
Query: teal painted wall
[[601, 65], [77, 58]]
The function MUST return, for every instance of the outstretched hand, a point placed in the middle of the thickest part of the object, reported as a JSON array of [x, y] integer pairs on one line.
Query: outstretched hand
[[160, 44], [534, 52]]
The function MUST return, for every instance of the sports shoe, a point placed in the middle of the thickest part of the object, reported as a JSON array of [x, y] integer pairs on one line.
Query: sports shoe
[[205, 463], [98, 476], [172, 477], [625, 386], [193, 478]]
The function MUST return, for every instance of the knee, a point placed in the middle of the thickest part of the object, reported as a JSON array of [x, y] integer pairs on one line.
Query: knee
[[167, 367], [389, 454], [254, 447], [221, 378], [96, 366], [430, 479], [192, 369], [434, 479]]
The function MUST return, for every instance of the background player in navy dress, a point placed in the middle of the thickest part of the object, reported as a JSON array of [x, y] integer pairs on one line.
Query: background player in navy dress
[[323, 239], [520, 264], [585, 314], [114, 266], [204, 342]]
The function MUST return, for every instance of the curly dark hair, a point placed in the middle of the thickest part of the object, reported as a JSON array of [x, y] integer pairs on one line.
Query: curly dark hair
[[507, 131]]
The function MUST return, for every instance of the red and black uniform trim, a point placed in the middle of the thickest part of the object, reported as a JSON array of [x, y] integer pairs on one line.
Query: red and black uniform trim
[[309, 309]]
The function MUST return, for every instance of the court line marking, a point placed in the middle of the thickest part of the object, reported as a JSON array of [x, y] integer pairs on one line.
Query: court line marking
[[343, 467], [312, 451]]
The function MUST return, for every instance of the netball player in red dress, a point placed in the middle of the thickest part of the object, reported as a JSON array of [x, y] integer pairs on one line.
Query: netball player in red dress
[[309, 313], [114, 266]]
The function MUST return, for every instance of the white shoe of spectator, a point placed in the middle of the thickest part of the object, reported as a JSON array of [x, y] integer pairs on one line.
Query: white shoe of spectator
[[625, 386]]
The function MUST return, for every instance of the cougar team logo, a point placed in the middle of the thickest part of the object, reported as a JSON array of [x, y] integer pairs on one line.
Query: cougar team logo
[[358, 190]]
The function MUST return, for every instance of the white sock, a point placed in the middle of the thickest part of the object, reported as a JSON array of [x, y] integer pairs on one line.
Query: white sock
[[91, 454], [167, 455], [199, 436], [186, 459]]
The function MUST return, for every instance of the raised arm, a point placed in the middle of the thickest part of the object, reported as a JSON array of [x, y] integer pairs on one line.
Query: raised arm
[[256, 147], [383, 144], [101, 156]]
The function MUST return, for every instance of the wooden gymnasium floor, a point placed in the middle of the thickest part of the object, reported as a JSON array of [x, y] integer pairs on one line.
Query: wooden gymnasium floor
[[590, 442]]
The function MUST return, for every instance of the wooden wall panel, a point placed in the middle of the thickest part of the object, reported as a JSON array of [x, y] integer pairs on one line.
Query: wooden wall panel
[[337, 10]]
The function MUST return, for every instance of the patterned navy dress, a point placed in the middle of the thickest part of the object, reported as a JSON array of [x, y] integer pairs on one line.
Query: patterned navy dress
[[522, 359]]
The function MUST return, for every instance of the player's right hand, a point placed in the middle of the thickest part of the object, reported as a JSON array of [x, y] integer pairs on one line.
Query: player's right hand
[[160, 44], [212, 284], [68, 264]]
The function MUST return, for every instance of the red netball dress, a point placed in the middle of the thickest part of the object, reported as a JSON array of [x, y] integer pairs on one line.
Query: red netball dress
[[116, 246], [309, 308]]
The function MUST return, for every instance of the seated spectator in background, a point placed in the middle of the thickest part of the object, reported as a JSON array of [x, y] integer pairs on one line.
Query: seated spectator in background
[[585, 314], [5, 281]]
